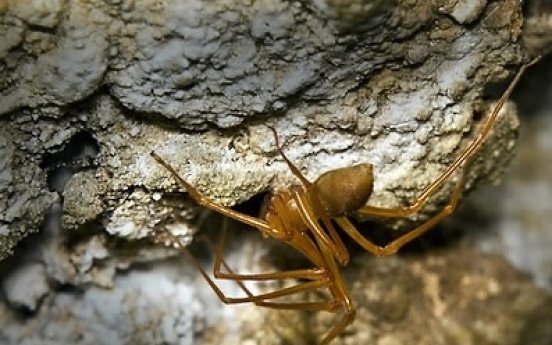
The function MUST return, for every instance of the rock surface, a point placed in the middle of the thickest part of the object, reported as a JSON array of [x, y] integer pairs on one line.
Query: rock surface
[[88, 89], [94, 87]]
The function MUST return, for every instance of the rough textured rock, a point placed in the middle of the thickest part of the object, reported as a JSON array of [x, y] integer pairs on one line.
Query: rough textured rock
[[396, 84], [24, 196], [88, 89], [537, 31], [457, 296], [147, 308]]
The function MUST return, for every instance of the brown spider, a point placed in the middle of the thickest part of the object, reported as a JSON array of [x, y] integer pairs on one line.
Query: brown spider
[[302, 216]]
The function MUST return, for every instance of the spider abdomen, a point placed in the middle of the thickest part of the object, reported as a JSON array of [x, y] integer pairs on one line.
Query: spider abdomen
[[345, 190]]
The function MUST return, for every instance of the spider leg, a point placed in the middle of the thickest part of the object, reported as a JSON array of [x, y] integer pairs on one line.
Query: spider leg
[[319, 278], [310, 274], [339, 296], [346, 320], [462, 161], [291, 166], [316, 211], [393, 246], [206, 202], [311, 285], [330, 306], [333, 305], [306, 212]]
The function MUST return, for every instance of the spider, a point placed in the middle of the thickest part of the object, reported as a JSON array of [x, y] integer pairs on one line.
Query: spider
[[303, 216]]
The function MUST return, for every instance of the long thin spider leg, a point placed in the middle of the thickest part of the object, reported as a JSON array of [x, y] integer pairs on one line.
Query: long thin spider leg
[[342, 253], [310, 274], [261, 300], [311, 285], [176, 242], [291, 166], [227, 267], [311, 221], [346, 320], [339, 293], [331, 306], [318, 211], [463, 160], [206, 202], [392, 247], [338, 244]]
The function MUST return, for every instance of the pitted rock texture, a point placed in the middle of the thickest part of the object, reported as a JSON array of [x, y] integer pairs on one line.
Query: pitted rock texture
[[396, 84], [88, 89]]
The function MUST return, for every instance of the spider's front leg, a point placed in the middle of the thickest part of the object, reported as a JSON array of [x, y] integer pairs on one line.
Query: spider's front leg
[[459, 164], [317, 278], [208, 203]]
